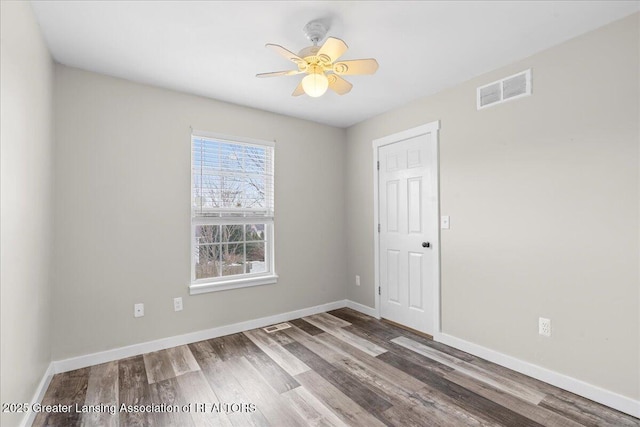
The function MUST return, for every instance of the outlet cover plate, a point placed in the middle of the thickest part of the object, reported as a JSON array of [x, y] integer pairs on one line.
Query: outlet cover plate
[[138, 310], [177, 304], [544, 327]]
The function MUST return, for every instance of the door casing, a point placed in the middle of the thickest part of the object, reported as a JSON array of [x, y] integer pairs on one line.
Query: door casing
[[432, 128]]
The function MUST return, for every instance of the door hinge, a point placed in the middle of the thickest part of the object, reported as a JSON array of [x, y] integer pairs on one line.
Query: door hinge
[[379, 291], [378, 164], [378, 228]]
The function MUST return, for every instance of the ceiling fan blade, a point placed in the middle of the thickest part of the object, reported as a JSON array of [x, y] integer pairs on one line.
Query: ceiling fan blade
[[338, 84], [287, 54], [279, 73], [298, 90], [332, 49], [356, 66]]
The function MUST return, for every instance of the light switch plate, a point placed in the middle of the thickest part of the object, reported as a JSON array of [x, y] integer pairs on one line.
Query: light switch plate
[[444, 222]]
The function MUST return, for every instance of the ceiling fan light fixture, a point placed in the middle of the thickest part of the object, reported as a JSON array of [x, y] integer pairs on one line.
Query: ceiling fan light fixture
[[315, 84], [320, 64]]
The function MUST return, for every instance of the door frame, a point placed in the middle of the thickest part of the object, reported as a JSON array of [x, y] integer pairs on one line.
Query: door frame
[[433, 128]]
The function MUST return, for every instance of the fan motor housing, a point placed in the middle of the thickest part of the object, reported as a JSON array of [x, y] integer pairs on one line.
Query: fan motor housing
[[310, 55]]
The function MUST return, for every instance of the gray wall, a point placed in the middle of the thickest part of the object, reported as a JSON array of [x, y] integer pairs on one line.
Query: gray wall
[[543, 196], [26, 84], [123, 213]]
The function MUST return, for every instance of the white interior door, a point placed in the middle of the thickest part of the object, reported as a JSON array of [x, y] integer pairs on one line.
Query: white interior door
[[408, 228]]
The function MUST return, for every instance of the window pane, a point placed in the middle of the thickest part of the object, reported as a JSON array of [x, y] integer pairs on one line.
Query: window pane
[[255, 258], [232, 259], [254, 192], [255, 159], [231, 178], [232, 233], [207, 259], [207, 234], [231, 157], [255, 232]]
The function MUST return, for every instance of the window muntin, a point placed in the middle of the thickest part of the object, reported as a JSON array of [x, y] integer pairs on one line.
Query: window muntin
[[232, 211], [229, 250]]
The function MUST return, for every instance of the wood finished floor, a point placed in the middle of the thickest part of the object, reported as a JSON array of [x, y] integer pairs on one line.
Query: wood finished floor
[[331, 369]]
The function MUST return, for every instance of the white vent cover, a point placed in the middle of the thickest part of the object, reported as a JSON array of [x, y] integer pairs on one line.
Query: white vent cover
[[278, 327], [509, 88]]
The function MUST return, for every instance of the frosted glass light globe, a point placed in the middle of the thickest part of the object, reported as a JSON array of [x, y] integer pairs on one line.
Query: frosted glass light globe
[[315, 84]]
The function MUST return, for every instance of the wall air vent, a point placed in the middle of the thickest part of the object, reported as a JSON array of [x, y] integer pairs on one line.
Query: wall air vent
[[512, 87]]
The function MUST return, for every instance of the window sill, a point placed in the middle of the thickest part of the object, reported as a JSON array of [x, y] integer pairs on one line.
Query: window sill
[[202, 288]]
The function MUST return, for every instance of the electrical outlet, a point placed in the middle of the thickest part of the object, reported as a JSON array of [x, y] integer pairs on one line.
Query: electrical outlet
[[357, 280], [138, 310], [544, 327], [177, 304], [444, 222]]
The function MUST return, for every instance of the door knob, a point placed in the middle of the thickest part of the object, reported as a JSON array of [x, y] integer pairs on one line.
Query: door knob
[[426, 244]]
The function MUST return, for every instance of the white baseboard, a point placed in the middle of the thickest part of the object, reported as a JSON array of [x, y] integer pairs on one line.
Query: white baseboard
[[362, 308], [164, 343], [30, 417], [595, 393]]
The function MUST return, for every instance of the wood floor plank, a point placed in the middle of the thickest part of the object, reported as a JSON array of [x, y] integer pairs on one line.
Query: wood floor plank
[[401, 351], [204, 353], [406, 409], [227, 347], [133, 390], [337, 331], [419, 415], [508, 386], [469, 401], [586, 412], [314, 412], [403, 410], [338, 402], [101, 401], [344, 381], [327, 320], [376, 365], [275, 351], [387, 332], [258, 391], [306, 326], [167, 393], [278, 377], [522, 407], [67, 388], [158, 366], [195, 389], [280, 337], [221, 379], [182, 360], [330, 354], [351, 316]]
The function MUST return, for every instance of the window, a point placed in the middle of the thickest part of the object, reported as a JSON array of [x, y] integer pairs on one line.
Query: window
[[231, 213]]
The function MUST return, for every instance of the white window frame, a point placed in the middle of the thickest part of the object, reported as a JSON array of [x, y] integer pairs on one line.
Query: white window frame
[[205, 285]]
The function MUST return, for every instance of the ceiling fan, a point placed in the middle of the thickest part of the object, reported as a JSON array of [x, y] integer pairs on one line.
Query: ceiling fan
[[321, 64]]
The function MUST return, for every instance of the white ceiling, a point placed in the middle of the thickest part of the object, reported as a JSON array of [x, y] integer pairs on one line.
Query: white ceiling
[[215, 48]]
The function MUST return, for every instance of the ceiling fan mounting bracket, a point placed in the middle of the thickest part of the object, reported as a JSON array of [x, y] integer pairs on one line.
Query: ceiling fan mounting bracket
[[315, 31]]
